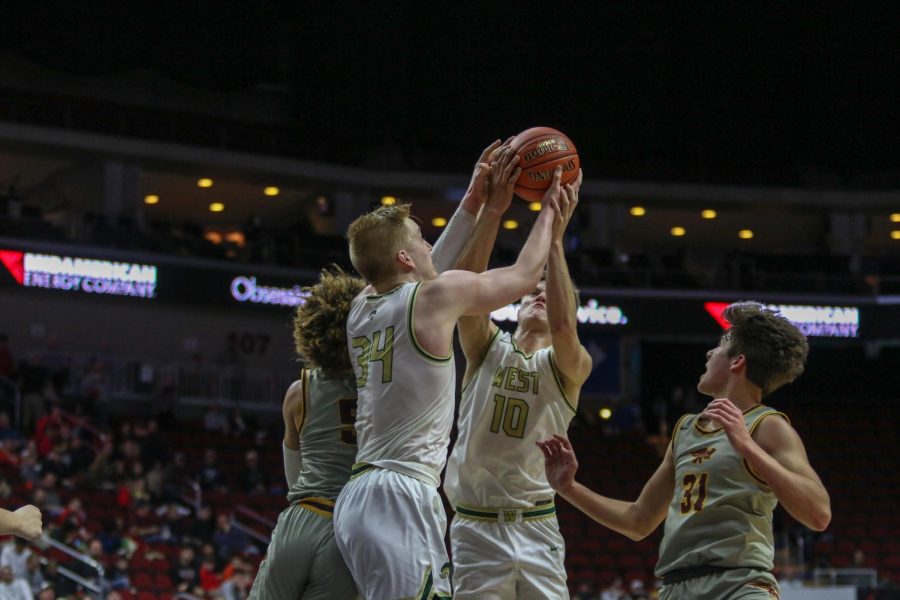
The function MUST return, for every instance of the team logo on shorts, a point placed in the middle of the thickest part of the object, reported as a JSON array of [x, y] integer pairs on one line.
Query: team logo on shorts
[[509, 516]]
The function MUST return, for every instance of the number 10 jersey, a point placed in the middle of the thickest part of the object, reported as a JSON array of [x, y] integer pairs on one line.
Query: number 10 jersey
[[513, 400]]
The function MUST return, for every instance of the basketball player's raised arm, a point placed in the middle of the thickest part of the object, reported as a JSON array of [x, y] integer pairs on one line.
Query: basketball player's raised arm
[[458, 231], [457, 293], [475, 332], [635, 520], [292, 411], [572, 360]]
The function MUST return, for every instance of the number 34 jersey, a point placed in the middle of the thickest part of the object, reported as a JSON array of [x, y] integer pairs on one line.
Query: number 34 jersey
[[406, 395], [721, 511], [513, 400]]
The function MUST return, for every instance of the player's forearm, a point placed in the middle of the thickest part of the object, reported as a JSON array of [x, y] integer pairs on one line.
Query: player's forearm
[[561, 309], [618, 515], [453, 240], [533, 255], [477, 253], [804, 498]]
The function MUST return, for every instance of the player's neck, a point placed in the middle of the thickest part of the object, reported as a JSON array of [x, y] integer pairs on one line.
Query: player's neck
[[384, 286], [530, 341], [743, 394]]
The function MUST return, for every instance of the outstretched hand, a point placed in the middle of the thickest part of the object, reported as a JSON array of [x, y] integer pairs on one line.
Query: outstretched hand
[[568, 201], [560, 462], [502, 180], [478, 186]]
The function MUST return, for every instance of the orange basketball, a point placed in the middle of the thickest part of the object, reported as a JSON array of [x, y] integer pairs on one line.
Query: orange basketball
[[540, 150]]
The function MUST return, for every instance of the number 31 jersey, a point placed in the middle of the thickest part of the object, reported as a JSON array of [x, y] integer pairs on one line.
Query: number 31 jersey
[[406, 395], [721, 512], [513, 400]]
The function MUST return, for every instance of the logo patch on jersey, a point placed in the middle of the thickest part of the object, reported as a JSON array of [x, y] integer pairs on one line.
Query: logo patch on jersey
[[446, 570], [702, 454], [372, 314]]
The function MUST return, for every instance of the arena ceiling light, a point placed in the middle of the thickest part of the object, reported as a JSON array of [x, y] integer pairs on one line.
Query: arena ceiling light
[[439, 221], [216, 207], [638, 211], [678, 231], [205, 182], [271, 190], [151, 199], [708, 213], [745, 234]]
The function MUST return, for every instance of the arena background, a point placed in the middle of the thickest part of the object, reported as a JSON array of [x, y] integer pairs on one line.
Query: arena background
[[167, 353]]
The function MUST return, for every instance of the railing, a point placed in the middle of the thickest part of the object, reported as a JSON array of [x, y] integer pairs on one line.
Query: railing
[[98, 587], [249, 512], [858, 577]]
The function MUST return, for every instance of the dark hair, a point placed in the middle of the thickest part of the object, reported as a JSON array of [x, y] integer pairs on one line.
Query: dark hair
[[774, 348]]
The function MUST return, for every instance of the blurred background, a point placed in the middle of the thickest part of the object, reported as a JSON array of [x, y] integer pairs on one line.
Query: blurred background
[[172, 174]]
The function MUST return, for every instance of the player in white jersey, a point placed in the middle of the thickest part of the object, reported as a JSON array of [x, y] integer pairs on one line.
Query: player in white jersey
[[389, 520], [302, 561], [518, 388]]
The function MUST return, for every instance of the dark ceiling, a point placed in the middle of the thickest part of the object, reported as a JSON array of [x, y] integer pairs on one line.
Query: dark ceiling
[[725, 92]]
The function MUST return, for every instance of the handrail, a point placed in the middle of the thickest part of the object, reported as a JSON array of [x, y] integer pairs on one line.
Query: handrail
[[46, 540], [251, 532], [243, 508]]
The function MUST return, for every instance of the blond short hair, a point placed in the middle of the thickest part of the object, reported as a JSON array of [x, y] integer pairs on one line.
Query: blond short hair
[[320, 323], [375, 238]]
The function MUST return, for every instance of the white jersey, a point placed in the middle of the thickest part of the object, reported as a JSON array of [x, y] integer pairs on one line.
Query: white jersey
[[406, 395], [512, 401]]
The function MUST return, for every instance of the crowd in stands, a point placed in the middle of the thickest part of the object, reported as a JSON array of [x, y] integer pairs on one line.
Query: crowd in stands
[[153, 507]]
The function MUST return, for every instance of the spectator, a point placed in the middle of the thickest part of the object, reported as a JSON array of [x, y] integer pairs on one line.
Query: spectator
[[184, 573], [210, 477], [585, 591], [7, 431], [637, 591], [209, 578], [12, 588], [34, 384], [15, 555], [227, 539], [201, 527], [253, 479], [61, 585], [73, 511], [34, 577], [152, 445], [117, 576], [214, 421], [238, 584], [614, 591]]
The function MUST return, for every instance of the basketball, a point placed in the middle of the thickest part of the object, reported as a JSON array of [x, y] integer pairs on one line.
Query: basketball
[[540, 151]]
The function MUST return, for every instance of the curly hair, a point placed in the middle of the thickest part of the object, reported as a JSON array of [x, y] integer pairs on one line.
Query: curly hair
[[320, 323], [775, 349], [375, 237]]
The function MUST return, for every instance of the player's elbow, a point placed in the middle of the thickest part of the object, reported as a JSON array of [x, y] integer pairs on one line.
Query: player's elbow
[[821, 520]]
